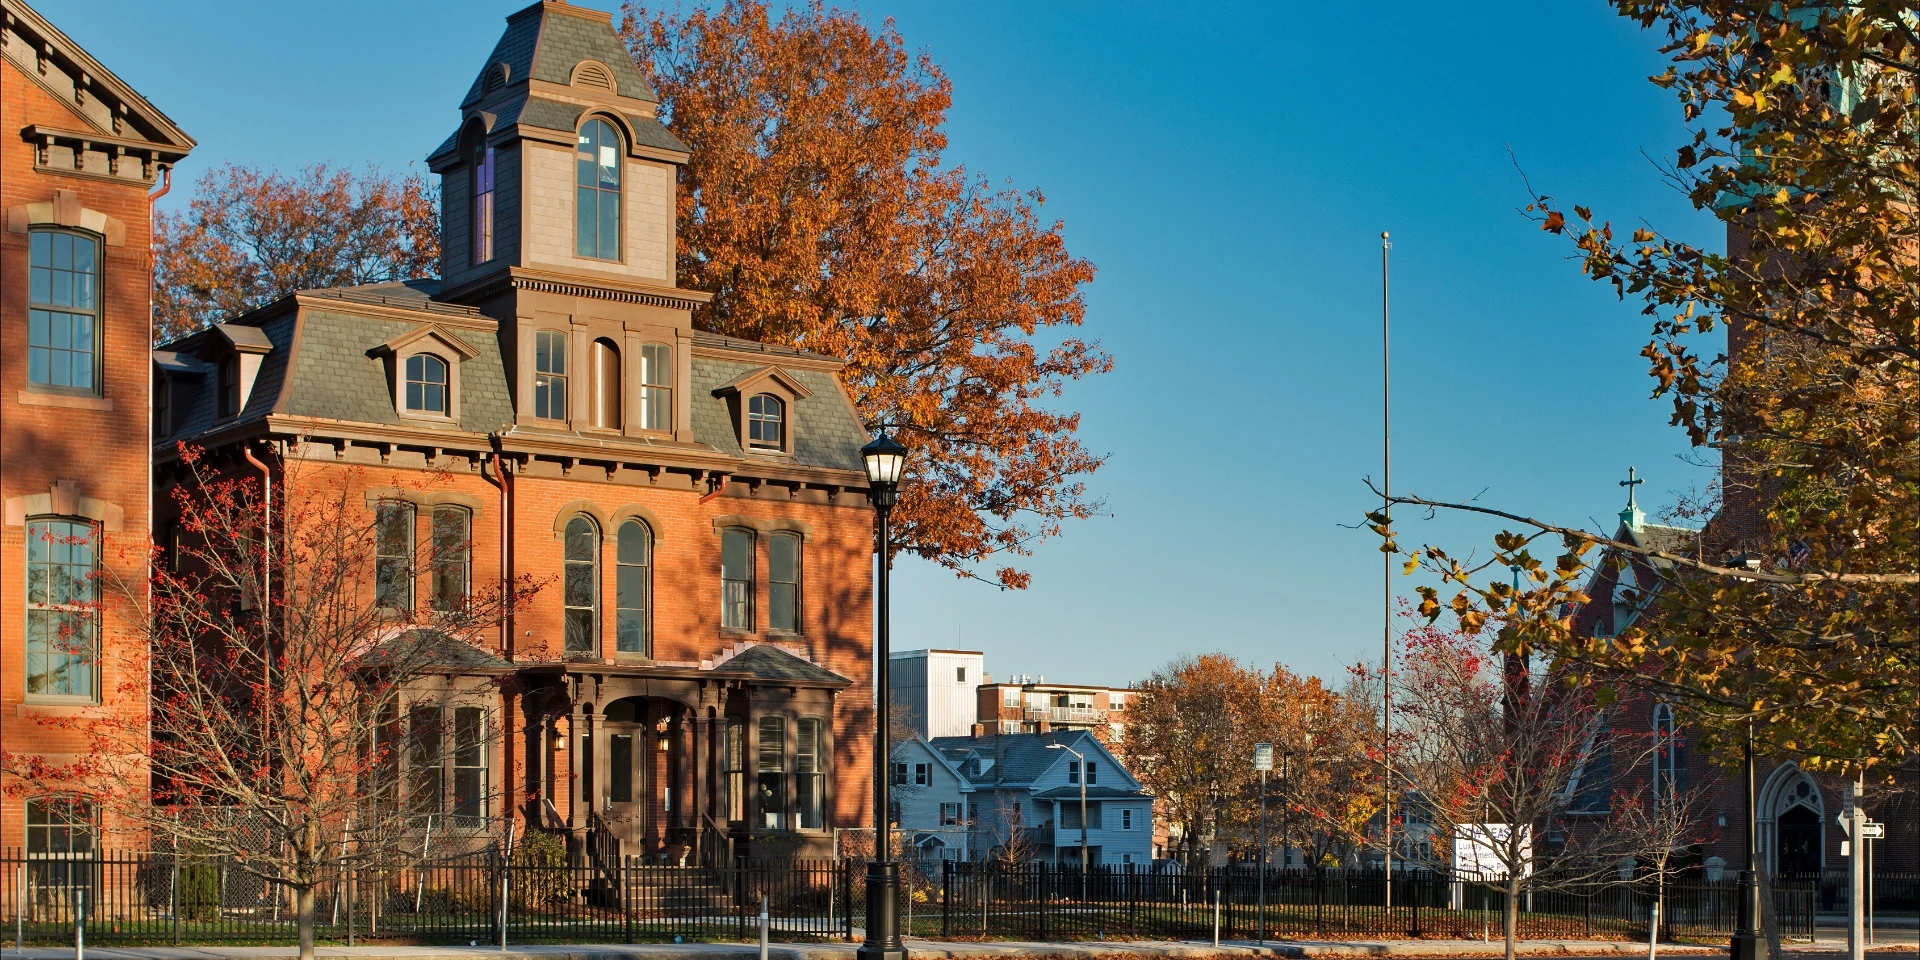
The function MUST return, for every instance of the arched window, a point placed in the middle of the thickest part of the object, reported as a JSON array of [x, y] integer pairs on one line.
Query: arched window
[[63, 309], [656, 387], [633, 587], [393, 556], [766, 422], [482, 213], [783, 582], [1668, 764], [427, 385], [597, 192], [581, 591], [603, 384], [736, 578], [452, 556], [62, 650]]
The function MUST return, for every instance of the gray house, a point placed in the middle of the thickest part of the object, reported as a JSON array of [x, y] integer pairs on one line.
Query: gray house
[[1019, 795]]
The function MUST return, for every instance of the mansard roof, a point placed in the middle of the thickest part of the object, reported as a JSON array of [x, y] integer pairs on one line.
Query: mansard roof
[[325, 352], [117, 112]]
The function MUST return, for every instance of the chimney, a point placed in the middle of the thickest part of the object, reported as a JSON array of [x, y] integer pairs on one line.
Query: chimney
[[1044, 727], [979, 730]]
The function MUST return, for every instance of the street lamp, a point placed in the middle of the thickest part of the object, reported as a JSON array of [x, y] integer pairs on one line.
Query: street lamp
[[1746, 932], [1083, 814], [1263, 762], [885, 461]]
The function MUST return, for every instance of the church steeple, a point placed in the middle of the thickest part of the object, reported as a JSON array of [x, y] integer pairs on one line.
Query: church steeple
[[1632, 517]]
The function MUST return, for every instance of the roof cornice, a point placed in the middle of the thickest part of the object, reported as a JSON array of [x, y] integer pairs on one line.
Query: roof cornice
[[17, 18]]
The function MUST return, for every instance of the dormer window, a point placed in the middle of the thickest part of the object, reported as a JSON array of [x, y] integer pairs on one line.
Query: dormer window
[[766, 422], [427, 386], [597, 192], [228, 400]]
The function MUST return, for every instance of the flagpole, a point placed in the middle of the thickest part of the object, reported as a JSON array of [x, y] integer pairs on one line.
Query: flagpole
[[1386, 572]]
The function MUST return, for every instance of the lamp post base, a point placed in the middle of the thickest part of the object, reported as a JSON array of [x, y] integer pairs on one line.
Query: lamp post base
[[883, 921], [1746, 936]]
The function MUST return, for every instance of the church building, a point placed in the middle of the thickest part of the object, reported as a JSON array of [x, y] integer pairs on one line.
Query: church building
[[695, 673]]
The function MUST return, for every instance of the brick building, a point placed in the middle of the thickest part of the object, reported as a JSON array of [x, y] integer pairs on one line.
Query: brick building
[[82, 152], [697, 670]]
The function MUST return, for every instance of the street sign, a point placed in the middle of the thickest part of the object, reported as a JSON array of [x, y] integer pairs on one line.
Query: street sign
[[1263, 756], [1873, 831]]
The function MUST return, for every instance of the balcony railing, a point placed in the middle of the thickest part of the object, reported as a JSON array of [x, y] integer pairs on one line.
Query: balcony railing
[[1067, 714]]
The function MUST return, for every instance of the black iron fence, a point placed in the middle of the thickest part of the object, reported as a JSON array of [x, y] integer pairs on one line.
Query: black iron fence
[[163, 898]]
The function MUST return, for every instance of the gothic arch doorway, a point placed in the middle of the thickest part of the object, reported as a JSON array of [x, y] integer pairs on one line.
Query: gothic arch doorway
[[1793, 823]]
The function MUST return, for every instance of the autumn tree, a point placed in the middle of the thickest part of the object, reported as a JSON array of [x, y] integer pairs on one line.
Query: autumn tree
[[819, 211], [288, 729], [1801, 615], [1496, 762], [250, 236]]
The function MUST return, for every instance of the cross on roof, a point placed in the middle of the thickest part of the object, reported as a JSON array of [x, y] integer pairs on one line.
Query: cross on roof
[[1632, 480]]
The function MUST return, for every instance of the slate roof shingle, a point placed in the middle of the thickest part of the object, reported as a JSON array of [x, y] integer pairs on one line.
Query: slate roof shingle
[[765, 661]]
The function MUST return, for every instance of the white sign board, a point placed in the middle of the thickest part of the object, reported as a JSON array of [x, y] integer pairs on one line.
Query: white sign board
[[1873, 831], [1480, 850]]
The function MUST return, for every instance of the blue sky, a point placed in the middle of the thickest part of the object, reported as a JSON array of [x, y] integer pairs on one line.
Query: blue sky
[[1228, 167]]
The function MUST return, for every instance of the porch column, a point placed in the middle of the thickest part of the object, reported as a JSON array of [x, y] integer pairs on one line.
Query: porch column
[[700, 794], [685, 812], [602, 770]]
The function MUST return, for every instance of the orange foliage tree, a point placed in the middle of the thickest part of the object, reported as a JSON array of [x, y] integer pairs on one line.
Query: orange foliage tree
[[249, 236], [818, 212]]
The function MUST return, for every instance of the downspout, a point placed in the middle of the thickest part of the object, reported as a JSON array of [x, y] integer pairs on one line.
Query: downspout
[[509, 695], [266, 583]]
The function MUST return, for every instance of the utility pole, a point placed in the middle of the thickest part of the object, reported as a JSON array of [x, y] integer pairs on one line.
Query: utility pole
[[1855, 818], [1386, 572]]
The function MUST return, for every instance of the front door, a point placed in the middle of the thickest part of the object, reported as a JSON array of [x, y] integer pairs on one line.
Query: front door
[[1799, 832], [626, 810]]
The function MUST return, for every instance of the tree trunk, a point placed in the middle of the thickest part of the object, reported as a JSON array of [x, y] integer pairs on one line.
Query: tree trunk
[[1769, 920], [1510, 921], [303, 919]]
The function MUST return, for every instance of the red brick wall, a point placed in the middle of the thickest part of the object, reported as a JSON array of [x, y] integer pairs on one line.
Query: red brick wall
[[104, 451]]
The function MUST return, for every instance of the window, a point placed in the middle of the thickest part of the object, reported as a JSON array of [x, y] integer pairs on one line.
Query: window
[[393, 555], [620, 776], [735, 782], [899, 773], [1093, 773], [425, 793], [1009, 696], [550, 375], [810, 773], [656, 387], [736, 579], [773, 773], [228, 399], [470, 763], [452, 557], [427, 385], [603, 384], [1126, 818], [949, 814], [960, 674], [61, 651], [783, 582], [1669, 763], [59, 845], [921, 776], [1593, 792], [63, 313], [482, 217], [1070, 815], [1073, 771], [581, 591], [162, 405], [765, 417], [632, 586], [597, 192]]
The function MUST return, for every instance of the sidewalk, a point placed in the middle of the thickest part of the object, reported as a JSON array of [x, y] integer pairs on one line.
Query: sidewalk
[[931, 950]]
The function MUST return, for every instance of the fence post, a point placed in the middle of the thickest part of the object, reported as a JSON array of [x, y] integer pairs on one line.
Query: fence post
[[173, 893], [626, 897], [946, 899], [1046, 894]]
